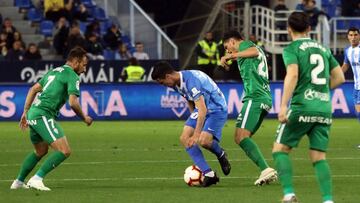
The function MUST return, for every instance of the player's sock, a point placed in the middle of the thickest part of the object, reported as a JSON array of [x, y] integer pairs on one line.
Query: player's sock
[[216, 149], [253, 152], [28, 165], [198, 158], [50, 163], [323, 176], [284, 169]]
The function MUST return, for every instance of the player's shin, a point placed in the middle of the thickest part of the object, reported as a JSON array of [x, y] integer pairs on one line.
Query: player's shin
[[284, 169], [253, 152], [323, 176], [28, 165], [198, 158], [54, 159]]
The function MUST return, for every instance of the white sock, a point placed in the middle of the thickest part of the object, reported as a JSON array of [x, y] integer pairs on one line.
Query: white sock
[[210, 174], [36, 177], [328, 201], [289, 196]]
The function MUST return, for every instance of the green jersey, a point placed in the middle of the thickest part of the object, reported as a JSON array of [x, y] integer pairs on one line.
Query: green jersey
[[57, 85], [315, 62], [254, 73]]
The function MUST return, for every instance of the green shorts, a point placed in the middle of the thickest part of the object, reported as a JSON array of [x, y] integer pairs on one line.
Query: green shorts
[[252, 114], [44, 129], [315, 125]]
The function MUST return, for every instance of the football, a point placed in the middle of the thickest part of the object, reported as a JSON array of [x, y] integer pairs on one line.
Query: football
[[193, 176]]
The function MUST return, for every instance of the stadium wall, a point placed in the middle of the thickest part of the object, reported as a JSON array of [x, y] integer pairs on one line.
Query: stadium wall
[[150, 101]]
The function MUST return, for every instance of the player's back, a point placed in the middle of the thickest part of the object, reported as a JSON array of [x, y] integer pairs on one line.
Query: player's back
[[56, 84], [312, 92], [197, 83]]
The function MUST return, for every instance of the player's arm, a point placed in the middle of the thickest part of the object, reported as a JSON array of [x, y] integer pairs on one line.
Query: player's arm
[[345, 67], [336, 77], [191, 105], [290, 82], [201, 107], [29, 100], [248, 53], [75, 106]]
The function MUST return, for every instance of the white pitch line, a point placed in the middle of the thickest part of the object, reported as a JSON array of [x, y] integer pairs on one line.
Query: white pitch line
[[171, 161], [171, 178]]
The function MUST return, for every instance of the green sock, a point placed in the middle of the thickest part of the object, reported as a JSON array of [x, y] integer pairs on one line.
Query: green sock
[[27, 166], [284, 169], [323, 175], [253, 152], [50, 163]]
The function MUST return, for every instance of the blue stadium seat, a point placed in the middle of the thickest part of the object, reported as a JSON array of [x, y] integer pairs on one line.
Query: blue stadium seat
[[104, 26], [23, 3], [109, 54], [34, 15], [46, 28], [354, 23], [88, 3], [82, 26], [341, 25], [99, 14]]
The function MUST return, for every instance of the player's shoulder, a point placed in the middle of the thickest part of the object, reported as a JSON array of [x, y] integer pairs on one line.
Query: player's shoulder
[[346, 49]]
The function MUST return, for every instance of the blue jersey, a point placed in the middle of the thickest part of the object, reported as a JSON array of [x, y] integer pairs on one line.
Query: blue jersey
[[194, 83], [352, 58]]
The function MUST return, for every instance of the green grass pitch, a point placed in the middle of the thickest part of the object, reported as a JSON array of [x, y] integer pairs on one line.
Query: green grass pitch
[[142, 161]]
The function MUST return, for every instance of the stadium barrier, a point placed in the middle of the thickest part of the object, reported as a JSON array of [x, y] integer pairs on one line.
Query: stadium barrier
[[97, 71], [150, 101]]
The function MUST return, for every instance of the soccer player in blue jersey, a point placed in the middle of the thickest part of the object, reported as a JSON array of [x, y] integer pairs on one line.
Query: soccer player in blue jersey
[[208, 115], [352, 58]]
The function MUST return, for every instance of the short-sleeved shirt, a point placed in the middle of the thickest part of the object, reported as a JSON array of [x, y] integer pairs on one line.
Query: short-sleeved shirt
[[315, 62], [254, 73], [194, 83], [57, 85], [352, 58]]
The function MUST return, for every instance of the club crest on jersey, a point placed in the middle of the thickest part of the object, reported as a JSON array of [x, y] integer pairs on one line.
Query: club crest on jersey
[[174, 101]]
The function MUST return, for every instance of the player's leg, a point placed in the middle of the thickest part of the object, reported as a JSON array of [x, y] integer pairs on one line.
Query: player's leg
[[211, 135], [319, 139], [53, 134], [248, 121]]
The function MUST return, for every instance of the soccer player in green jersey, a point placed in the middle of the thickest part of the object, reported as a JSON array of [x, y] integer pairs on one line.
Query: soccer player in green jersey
[[55, 88], [257, 100], [311, 71]]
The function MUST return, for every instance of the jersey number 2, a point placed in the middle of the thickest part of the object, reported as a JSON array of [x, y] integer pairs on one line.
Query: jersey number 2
[[317, 59]]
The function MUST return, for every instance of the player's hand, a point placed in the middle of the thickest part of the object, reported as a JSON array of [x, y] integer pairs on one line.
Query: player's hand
[[88, 120], [193, 139], [282, 115], [23, 122], [223, 62]]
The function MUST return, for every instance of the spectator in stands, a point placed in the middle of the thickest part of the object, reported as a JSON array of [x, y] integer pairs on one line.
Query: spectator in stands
[[15, 54], [61, 35], [112, 38], [301, 6], [9, 29], [18, 37], [313, 12], [356, 11], [206, 52], [139, 54], [122, 53], [281, 25], [93, 27], [94, 48], [78, 11], [3, 45], [134, 72], [55, 9], [75, 38], [32, 53]]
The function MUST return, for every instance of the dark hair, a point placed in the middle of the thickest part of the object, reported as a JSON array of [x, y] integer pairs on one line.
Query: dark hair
[[133, 61], [232, 34], [298, 21], [161, 69], [353, 29], [76, 53]]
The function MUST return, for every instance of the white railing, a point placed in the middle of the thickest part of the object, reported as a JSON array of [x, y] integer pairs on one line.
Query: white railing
[[140, 27], [339, 27]]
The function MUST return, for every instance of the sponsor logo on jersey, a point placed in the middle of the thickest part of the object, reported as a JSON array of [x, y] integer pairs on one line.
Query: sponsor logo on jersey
[[315, 119], [310, 94], [31, 122], [174, 102], [265, 107]]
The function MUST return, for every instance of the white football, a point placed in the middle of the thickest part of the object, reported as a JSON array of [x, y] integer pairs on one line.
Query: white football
[[193, 176]]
